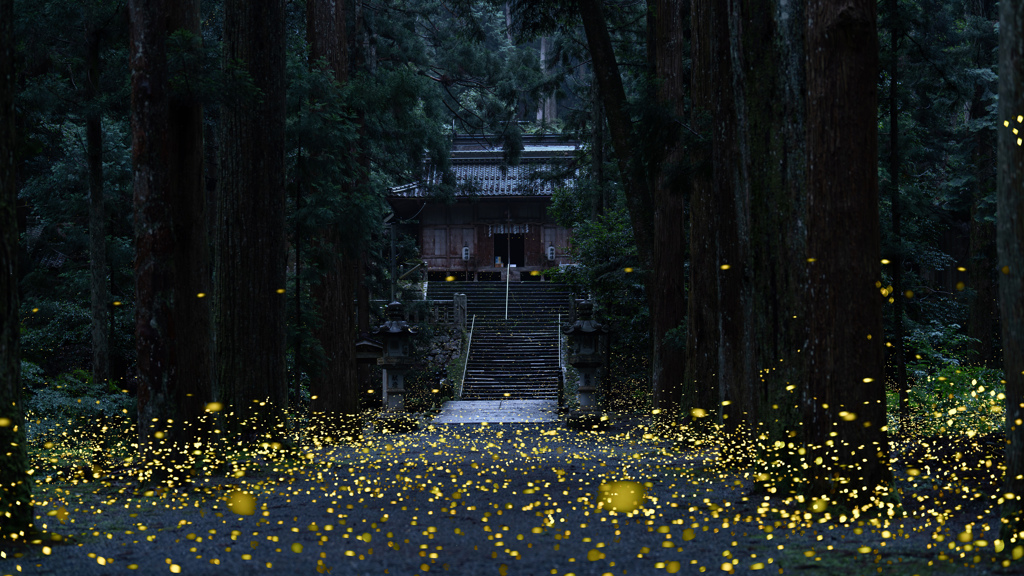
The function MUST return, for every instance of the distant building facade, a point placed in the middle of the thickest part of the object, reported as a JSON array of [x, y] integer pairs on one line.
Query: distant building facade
[[499, 217]]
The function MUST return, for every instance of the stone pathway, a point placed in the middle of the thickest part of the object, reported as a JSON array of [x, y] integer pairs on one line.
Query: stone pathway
[[497, 411]]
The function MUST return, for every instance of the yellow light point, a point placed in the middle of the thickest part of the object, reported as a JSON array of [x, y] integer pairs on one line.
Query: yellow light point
[[885, 260], [5, 422], [201, 295], [960, 286], [812, 260], [214, 407], [627, 270], [280, 290], [297, 548], [1020, 119], [623, 496], [534, 273], [34, 310], [724, 266], [819, 505], [117, 302], [866, 380], [698, 412], [909, 293], [449, 278], [1005, 270], [242, 503]]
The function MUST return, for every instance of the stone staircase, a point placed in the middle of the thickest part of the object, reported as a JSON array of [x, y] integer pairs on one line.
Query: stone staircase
[[514, 359]]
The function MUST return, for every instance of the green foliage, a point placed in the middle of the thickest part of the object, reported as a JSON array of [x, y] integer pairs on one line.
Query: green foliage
[[946, 98], [73, 396], [605, 256], [936, 347], [954, 401]]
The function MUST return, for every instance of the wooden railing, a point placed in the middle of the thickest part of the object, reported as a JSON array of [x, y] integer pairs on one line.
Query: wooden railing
[[465, 358]]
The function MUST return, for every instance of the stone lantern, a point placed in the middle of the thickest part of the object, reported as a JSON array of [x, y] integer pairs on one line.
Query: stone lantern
[[397, 356], [584, 353]]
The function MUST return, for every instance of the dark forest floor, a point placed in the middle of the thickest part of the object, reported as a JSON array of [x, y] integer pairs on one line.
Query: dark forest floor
[[516, 499]]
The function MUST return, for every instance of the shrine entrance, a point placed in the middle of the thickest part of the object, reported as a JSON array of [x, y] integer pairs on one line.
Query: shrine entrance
[[509, 249]]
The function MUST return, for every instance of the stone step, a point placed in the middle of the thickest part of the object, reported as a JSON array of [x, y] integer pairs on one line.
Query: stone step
[[514, 357]]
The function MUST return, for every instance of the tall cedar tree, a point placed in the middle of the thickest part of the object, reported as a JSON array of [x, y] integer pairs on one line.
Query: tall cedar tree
[[98, 285], [701, 396], [250, 251], [334, 386], [845, 345], [654, 199], [172, 329], [15, 483], [757, 197], [1010, 240], [669, 186]]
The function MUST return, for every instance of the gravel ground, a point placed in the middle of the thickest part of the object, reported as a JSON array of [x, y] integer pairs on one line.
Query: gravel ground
[[475, 500]]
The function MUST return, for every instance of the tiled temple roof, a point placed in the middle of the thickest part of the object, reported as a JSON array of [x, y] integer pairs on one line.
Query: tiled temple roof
[[477, 167]]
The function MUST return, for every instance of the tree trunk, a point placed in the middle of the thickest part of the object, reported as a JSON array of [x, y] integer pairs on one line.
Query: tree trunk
[[700, 392], [100, 296], [760, 179], [16, 501], [154, 236], [188, 202], [250, 252], [613, 98], [668, 186], [845, 391], [172, 271], [1010, 242], [655, 200], [896, 260], [334, 386]]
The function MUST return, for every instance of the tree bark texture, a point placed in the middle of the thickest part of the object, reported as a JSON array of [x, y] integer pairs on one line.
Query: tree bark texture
[[1010, 243], [763, 313], [327, 35], [154, 235], [98, 285], [700, 390], [188, 202], [250, 252], [15, 483], [172, 271], [669, 188], [655, 199], [613, 98], [845, 389], [334, 386]]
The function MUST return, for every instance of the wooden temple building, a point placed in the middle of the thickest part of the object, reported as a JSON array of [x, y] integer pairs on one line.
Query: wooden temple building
[[498, 223]]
